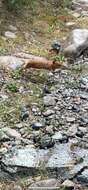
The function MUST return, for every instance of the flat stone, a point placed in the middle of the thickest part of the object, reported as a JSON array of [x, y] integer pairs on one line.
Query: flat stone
[[45, 183]]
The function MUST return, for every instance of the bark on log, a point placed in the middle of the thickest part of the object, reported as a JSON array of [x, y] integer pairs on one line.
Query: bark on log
[[32, 61]]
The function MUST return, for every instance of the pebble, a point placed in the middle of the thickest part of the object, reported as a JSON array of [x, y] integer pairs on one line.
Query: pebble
[[37, 126]]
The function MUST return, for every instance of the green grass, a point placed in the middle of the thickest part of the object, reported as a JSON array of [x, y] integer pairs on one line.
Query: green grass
[[12, 87]]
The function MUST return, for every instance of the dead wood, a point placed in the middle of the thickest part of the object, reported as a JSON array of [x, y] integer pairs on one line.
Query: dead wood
[[32, 61]]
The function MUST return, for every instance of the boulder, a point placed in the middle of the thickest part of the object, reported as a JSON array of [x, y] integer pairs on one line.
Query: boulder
[[77, 43], [11, 62]]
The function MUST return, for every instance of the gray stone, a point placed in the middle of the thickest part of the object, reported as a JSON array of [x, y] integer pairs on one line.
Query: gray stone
[[45, 183], [83, 177], [77, 43], [11, 62], [49, 100]]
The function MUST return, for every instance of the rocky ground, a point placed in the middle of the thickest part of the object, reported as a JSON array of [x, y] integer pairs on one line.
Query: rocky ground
[[44, 116]]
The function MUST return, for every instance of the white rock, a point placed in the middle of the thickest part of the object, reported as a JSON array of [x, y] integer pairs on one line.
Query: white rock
[[9, 34], [77, 43]]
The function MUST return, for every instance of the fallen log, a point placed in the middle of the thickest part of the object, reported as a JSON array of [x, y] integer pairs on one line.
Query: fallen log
[[32, 61]]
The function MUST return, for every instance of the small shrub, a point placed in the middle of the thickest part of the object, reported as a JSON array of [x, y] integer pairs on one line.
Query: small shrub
[[17, 4], [12, 87]]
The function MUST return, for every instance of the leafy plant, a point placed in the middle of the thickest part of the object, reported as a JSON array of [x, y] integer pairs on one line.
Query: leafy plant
[[58, 58], [12, 87], [16, 74]]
